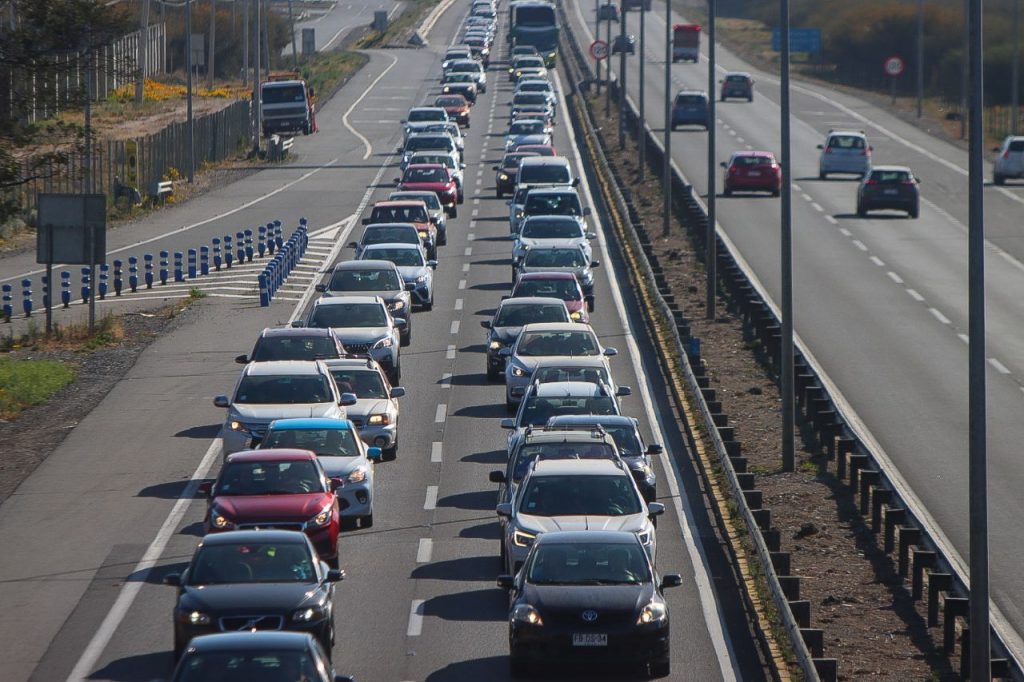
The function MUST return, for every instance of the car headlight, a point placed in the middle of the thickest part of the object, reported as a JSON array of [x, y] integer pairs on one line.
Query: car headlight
[[421, 279], [523, 539], [195, 617], [238, 426], [655, 612], [495, 344], [552, 55], [379, 420], [397, 305], [518, 371], [502, 176], [386, 342], [309, 614], [357, 475], [219, 521], [646, 537], [587, 276], [322, 518], [423, 234], [524, 613], [447, 89], [576, 316]]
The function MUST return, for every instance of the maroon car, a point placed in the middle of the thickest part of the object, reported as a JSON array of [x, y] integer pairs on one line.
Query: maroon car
[[563, 285], [276, 489], [752, 172], [432, 177]]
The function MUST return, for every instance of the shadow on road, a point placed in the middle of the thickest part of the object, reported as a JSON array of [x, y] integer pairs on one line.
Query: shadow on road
[[141, 668], [473, 605], [474, 568], [479, 500]]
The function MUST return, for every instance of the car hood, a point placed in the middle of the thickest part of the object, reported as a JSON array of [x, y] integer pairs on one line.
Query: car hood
[[340, 466], [605, 599], [507, 335], [546, 524], [252, 508], [367, 406], [357, 335], [267, 413], [411, 272], [248, 598]]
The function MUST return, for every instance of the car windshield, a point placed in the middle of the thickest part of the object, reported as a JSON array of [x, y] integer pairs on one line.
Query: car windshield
[[537, 411], [531, 98], [248, 665], [1015, 146], [426, 115], [846, 142], [561, 203], [450, 101], [545, 173], [519, 315], [466, 67], [580, 495], [554, 258], [528, 453], [889, 176], [512, 161], [294, 348], [626, 439], [429, 142], [364, 280], [324, 442], [565, 289], [551, 229], [248, 562], [282, 94], [750, 160], [690, 100], [399, 214], [530, 63], [425, 175], [403, 234], [592, 375], [589, 563], [526, 128], [365, 383], [269, 478], [428, 198], [284, 390], [349, 315], [401, 257], [534, 86], [456, 77], [439, 159], [541, 343]]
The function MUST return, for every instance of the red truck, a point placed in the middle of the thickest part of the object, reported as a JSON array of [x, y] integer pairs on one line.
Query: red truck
[[686, 43]]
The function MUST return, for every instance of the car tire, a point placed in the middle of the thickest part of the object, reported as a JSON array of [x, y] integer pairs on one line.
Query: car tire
[[723, 98], [454, 213], [510, 406], [366, 521], [912, 213], [429, 305], [658, 669], [406, 339], [861, 211], [750, 98], [494, 375], [179, 646], [500, 193], [432, 252], [727, 191], [333, 562], [349, 523], [822, 175], [999, 179], [775, 192]]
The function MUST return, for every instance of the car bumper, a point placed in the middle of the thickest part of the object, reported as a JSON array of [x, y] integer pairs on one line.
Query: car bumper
[[495, 361], [684, 120], [379, 436], [356, 499], [626, 643], [767, 184], [321, 629], [274, 125], [844, 164], [895, 203], [515, 387], [421, 294], [236, 441]]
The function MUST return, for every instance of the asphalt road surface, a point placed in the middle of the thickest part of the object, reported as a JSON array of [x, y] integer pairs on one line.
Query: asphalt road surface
[[114, 508], [881, 301]]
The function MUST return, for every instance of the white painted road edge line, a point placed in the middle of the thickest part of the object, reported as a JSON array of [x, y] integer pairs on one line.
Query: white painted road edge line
[[344, 117]]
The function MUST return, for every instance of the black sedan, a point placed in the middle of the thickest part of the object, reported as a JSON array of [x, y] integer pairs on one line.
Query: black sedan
[[248, 656], [506, 172], [254, 580], [588, 597], [892, 187], [508, 321], [624, 43]]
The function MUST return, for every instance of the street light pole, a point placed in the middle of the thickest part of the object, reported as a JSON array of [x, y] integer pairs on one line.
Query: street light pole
[[666, 170], [597, 36], [188, 65], [608, 87], [920, 55], [291, 20], [1015, 71], [641, 138], [711, 238], [622, 76], [786, 245], [257, 104]]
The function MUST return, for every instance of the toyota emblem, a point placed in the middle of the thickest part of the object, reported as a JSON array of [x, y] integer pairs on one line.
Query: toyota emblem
[[590, 615]]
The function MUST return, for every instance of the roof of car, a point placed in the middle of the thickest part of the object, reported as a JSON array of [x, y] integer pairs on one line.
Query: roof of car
[[365, 264], [855, 133], [273, 455], [546, 275], [737, 73], [557, 327], [391, 203], [338, 300], [547, 161], [554, 189], [352, 363], [283, 367], [299, 423], [692, 92], [572, 362], [564, 537], [590, 419], [258, 537], [392, 245], [273, 332], [589, 436], [425, 165], [535, 147], [425, 108], [551, 218], [262, 640], [569, 389], [890, 169], [577, 467], [530, 300], [375, 226]]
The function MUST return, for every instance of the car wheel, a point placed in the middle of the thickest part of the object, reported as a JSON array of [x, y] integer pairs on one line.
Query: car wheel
[[500, 194], [333, 562], [179, 646], [750, 98], [657, 669], [775, 192], [861, 211], [493, 374], [433, 252], [429, 305], [366, 521], [822, 175], [349, 523], [723, 98], [999, 179], [510, 406], [454, 212], [518, 667], [913, 212], [406, 338]]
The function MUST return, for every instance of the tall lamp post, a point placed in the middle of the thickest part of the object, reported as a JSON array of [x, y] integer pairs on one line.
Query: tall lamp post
[[666, 190], [191, 121], [641, 138], [622, 76], [711, 245], [786, 259], [920, 55]]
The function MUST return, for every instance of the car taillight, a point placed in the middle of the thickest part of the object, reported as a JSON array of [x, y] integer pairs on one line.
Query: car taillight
[[865, 152], [907, 182], [1006, 154], [733, 170], [828, 150], [871, 182]]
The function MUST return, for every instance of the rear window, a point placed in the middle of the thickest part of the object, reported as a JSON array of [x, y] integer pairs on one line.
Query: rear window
[[1016, 146], [889, 176], [751, 160], [429, 198], [846, 142], [399, 234], [545, 174], [736, 79], [364, 280], [521, 315], [426, 115], [425, 175], [430, 142], [399, 214], [691, 100]]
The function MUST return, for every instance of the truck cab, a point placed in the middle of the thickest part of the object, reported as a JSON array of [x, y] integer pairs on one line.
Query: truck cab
[[287, 105]]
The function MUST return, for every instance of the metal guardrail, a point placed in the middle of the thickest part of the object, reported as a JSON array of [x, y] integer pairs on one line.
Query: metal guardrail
[[922, 555]]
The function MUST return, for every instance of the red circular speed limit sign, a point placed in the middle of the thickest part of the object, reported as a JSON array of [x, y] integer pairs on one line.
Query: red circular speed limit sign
[[894, 66], [599, 50]]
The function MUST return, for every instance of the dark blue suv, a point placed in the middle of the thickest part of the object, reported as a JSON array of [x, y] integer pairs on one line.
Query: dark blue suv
[[690, 108]]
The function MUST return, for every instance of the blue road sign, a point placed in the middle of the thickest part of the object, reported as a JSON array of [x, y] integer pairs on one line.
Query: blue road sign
[[800, 40]]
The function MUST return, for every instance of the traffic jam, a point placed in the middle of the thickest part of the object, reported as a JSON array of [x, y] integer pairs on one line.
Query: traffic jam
[[316, 409]]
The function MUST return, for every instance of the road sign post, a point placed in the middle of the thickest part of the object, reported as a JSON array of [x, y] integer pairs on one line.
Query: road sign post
[[599, 50], [894, 67]]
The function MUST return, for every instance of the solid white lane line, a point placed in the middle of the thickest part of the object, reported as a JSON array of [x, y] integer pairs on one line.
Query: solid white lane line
[[430, 501], [999, 367], [436, 452], [449, 354], [916, 296], [938, 316], [878, 261], [860, 245], [458, 304], [455, 327], [415, 618], [425, 549], [894, 277]]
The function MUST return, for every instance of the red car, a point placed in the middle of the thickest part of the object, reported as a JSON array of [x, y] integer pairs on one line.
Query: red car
[[457, 107], [752, 172], [276, 489], [432, 177], [563, 285]]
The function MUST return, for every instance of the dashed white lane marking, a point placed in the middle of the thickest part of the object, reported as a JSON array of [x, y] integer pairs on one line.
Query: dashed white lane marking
[[938, 316], [967, 339], [450, 352], [458, 304], [476, 211], [817, 207], [740, 140], [435, 452], [916, 296], [732, 132], [446, 380], [796, 187], [430, 501], [455, 327], [999, 367], [471, 236], [462, 284], [860, 245], [472, 224], [468, 251], [465, 267], [878, 261], [846, 233], [807, 197], [831, 220], [894, 277], [415, 618], [476, 202], [441, 414], [425, 549]]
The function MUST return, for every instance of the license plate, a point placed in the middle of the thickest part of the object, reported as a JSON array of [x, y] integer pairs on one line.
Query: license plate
[[891, 191], [754, 174], [589, 639]]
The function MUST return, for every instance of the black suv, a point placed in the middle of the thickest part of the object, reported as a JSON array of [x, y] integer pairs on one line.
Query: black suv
[[893, 187], [588, 597], [737, 84]]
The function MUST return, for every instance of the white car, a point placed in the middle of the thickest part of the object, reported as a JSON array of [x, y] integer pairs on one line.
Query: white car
[[844, 151], [375, 412], [1010, 162]]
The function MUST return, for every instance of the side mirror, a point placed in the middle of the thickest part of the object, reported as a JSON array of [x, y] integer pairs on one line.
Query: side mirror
[[222, 401], [410, 286], [365, 221], [587, 211], [496, 477], [172, 579], [298, 324], [821, 146], [486, 324], [655, 509], [508, 423], [671, 580], [506, 582], [995, 149], [655, 449], [401, 322], [504, 509], [591, 235], [321, 288], [335, 575], [508, 203], [348, 399], [724, 164], [494, 168], [374, 454], [505, 352], [595, 263], [576, 182], [611, 352], [242, 359], [397, 181], [353, 245], [622, 391], [403, 121], [432, 264], [337, 483], [397, 391], [590, 303], [505, 297], [205, 488]]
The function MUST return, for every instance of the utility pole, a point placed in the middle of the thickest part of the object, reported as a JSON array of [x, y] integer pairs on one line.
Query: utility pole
[[666, 180], [87, 180], [143, 56], [786, 245], [245, 43], [257, 108], [980, 644], [1015, 71], [965, 70], [622, 76], [597, 36], [266, 40], [213, 45], [191, 122], [608, 89], [641, 137], [711, 238], [920, 55], [291, 20]]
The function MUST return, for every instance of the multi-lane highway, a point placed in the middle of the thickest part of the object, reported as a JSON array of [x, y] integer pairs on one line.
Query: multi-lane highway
[[115, 507], [881, 302]]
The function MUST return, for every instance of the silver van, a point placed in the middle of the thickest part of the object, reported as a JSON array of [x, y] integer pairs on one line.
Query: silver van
[[546, 170]]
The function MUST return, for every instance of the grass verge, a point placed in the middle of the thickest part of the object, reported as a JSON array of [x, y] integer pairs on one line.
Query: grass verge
[[25, 382], [325, 72]]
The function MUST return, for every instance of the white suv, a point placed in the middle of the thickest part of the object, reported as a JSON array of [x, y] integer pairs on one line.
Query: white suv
[[1010, 162], [844, 151]]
